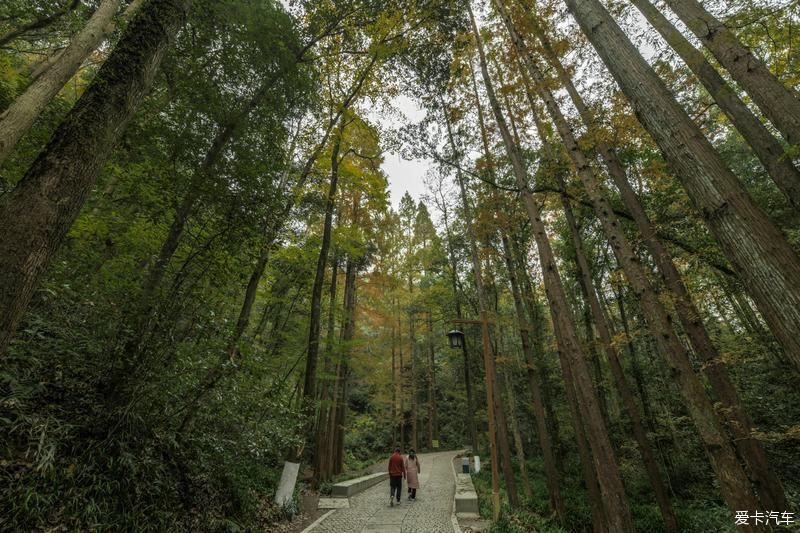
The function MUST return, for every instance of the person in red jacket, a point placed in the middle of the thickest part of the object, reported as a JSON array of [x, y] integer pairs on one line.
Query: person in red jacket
[[397, 471]]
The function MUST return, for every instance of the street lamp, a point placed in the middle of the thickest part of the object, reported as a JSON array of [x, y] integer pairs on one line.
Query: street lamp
[[456, 338]]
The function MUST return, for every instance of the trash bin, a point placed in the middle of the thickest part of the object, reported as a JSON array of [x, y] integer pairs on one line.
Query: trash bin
[[465, 465]]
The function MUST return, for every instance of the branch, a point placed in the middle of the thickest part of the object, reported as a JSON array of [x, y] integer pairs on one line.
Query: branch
[[38, 24]]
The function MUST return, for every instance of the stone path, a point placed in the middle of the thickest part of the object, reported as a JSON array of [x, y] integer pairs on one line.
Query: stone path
[[369, 512]]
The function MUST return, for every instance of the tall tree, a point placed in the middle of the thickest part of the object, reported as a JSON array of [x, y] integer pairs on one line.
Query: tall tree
[[777, 102], [617, 513], [768, 150], [41, 208], [750, 449], [766, 262]]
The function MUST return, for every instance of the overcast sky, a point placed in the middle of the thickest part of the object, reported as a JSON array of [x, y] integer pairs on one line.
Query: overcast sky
[[404, 175]]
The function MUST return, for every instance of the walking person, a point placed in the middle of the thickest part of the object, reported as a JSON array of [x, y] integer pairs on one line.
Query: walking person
[[412, 470], [397, 471]]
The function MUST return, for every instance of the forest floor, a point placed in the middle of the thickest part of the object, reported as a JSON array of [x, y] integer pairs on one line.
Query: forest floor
[[369, 511]]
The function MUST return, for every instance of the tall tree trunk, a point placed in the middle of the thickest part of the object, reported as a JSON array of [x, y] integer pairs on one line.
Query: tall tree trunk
[[503, 446], [433, 424], [309, 385], [531, 368], [766, 262], [504, 454], [22, 113], [402, 384], [394, 385], [734, 484], [778, 103], [348, 334], [37, 214], [488, 356], [750, 449], [412, 349], [590, 474], [768, 150], [322, 466], [618, 513], [767, 483], [473, 432], [642, 442], [537, 341], [519, 449]]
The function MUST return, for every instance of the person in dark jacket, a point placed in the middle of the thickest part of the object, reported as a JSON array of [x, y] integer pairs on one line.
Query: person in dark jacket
[[397, 472]]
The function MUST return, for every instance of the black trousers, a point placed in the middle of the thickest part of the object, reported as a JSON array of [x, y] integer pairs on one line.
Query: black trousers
[[395, 486], [412, 493]]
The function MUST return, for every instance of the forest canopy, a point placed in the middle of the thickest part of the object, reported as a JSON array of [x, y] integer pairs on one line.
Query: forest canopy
[[208, 272]]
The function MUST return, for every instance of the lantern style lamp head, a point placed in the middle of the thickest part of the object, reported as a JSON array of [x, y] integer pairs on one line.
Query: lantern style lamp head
[[456, 338]]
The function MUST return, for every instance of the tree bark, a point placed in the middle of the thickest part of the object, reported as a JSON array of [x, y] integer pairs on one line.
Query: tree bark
[[22, 113], [765, 260], [767, 483], [433, 424], [519, 448], [768, 150], [37, 214], [734, 484], [642, 442], [615, 501], [534, 384], [309, 384], [348, 334], [322, 465], [778, 103], [504, 454]]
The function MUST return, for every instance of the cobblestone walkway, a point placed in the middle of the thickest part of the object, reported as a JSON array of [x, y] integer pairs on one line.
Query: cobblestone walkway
[[369, 512]]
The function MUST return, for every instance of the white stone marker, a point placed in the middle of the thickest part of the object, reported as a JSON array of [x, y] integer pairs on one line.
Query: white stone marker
[[477, 464], [283, 496]]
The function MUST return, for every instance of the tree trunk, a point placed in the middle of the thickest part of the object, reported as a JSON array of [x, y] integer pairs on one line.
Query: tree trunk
[[734, 485], [768, 150], [519, 449], [322, 464], [502, 432], [309, 385], [537, 334], [766, 262], [433, 424], [348, 334], [779, 104], [642, 442], [543, 432], [22, 113], [750, 449], [402, 384], [37, 214], [613, 493], [412, 349], [394, 385], [488, 356], [473, 432], [503, 450]]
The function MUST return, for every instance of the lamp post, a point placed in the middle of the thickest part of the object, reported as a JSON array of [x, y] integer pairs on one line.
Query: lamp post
[[456, 338]]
